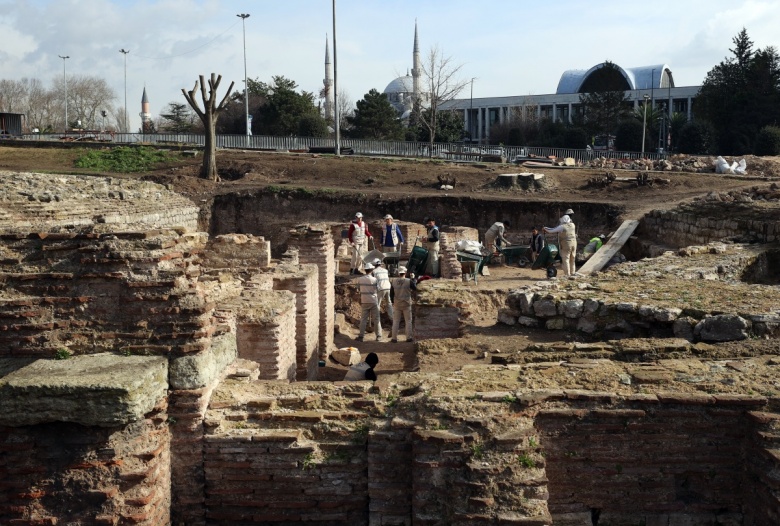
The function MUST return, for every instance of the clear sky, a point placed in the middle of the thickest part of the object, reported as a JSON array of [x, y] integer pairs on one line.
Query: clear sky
[[512, 47]]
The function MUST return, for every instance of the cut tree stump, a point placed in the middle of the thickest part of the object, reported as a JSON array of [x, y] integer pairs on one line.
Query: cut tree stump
[[525, 180]]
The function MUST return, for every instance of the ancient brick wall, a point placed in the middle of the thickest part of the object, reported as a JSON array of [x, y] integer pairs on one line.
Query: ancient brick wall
[[63, 473], [681, 229], [237, 251], [95, 292], [436, 321], [680, 463], [449, 266], [315, 246], [303, 281], [265, 332], [762, 463], [334, 452]]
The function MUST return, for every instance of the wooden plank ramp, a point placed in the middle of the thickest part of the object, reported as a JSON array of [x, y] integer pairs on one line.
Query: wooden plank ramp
[[609, 249]]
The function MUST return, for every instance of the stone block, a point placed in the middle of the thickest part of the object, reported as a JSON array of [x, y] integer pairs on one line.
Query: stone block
[[571, 308], [346, 355], [545, 307], [194, 371], [507, 316], [98, 390], [722, 328]]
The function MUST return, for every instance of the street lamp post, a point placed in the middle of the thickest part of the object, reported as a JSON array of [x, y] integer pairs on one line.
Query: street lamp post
[[336, 116], [644, 124], [65, 80], [125, 52], [243, 17], [471, 112], [652, 88]]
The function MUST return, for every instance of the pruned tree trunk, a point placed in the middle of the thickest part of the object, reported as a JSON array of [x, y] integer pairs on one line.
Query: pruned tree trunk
[[208, 115]]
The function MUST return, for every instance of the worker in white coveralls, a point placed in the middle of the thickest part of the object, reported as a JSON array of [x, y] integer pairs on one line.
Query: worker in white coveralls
[[402, 306], [383, 287], [494, 237], [369, 303], [567, 242], [358, 236]]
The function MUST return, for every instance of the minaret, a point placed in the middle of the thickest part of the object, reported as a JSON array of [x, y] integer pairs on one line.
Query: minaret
[[146, 115], [416, 69], [328, 83]]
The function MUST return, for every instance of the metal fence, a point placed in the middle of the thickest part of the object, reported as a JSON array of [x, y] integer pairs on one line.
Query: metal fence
[[448, 151]]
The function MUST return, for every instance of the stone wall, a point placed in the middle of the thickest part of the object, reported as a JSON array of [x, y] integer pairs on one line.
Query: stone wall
[[611, 318], [680, 228], [315, 246]]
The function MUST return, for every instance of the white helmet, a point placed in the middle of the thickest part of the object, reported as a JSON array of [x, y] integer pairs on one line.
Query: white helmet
[[368, 266], [569, 211], [359, 215], [402, 270]]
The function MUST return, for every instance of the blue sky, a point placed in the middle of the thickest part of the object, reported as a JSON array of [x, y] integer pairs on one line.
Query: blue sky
[[516, 47]]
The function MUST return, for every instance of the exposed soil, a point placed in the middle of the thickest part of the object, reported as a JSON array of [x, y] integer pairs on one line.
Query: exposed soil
[[250, 170]]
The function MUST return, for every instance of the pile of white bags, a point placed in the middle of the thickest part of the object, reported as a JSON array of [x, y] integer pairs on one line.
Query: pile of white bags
[[723, 167]]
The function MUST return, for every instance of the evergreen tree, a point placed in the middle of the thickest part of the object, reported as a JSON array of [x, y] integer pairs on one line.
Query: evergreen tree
[[604, 101], [284, 108], [375, 118], [741, 95]]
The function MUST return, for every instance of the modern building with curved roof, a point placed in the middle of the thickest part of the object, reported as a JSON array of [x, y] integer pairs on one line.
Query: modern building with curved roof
[[658, 76], [655, 82]]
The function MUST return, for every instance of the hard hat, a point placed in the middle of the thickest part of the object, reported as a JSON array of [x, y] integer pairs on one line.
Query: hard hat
[[358, 214], [602, 236], [402, 270], [569, 211], [368, 266], [377, 262], [388, 216]]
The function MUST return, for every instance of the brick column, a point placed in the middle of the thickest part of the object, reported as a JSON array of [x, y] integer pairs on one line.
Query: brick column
[[303, 281], [315, 245]]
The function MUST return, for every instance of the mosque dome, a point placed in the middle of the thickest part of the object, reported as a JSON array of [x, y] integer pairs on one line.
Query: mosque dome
[[402, 84], [400, 94]]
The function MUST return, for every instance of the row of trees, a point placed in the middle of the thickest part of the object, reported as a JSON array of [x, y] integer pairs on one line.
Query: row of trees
[[44, 107]]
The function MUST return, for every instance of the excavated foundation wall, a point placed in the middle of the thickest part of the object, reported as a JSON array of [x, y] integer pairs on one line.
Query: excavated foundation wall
[[680, 228], [560, 458], [271, 213]]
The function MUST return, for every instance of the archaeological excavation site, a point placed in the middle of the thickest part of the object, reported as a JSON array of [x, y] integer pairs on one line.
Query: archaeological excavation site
[[169, 347]]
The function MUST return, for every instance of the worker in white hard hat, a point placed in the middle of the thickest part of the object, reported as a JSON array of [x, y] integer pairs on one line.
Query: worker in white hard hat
[[391, 236], [383, 287], [402, 304], [358, 236], [567, 243], [369, 302]]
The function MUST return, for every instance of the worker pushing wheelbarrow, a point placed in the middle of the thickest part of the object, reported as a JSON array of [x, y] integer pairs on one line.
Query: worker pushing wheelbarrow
[[418, 258]]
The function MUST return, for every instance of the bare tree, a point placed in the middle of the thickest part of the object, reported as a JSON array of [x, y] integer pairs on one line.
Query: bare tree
[[209, 116], [13, 95], [346, 109], [441, 83]]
